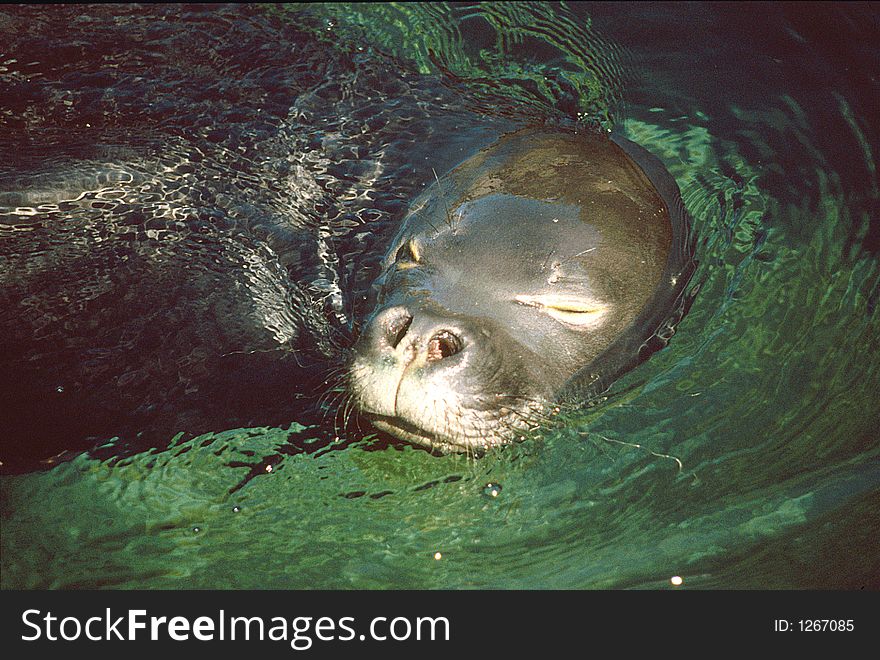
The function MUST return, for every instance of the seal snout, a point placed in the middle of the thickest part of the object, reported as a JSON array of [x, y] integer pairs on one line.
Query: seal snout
[[421, 335]]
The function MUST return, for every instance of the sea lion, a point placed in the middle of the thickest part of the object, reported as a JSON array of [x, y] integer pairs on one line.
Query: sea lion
[[536, 271]]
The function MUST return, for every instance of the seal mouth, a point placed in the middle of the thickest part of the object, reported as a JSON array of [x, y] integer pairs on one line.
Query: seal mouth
[[407, 431], [404, 430]]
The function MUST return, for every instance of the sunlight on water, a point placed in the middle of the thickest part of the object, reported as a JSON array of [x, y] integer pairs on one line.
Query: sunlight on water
[[744, 454]]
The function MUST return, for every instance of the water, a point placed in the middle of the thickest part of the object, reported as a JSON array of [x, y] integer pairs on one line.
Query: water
[[283, 145]]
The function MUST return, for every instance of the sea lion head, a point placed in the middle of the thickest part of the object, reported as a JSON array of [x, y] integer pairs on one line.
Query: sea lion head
[[507, 278]]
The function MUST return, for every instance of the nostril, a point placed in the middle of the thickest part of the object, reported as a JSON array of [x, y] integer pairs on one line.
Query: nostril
[[397, 328], [442, 345]]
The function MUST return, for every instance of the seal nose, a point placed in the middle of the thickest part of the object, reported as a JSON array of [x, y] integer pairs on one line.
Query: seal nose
[[390, 327], [394, 323], [443, 344]]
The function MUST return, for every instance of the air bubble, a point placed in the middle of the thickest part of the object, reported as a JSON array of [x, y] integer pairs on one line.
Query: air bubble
[[492, 489]]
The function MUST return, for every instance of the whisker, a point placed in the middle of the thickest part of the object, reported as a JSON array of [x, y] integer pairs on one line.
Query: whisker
[[579, 254], [330, 394], [443, 197], [430, 224], [334, 404], [637, 446]]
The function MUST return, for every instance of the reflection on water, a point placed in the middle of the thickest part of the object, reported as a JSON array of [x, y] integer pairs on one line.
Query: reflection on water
[[744, 454]]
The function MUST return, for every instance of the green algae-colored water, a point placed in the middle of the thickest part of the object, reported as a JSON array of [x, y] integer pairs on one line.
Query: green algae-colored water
[[744, 454]]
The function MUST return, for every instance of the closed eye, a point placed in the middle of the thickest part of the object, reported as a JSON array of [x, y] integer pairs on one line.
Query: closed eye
[[578, 313], [407, 255]]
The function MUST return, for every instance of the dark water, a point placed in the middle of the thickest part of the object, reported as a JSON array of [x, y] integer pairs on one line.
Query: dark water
[[193, 202]]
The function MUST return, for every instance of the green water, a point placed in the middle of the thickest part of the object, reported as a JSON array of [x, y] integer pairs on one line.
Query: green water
[[743, 455]]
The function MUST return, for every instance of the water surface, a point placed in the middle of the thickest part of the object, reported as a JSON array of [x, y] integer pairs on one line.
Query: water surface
[[286, 144]]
